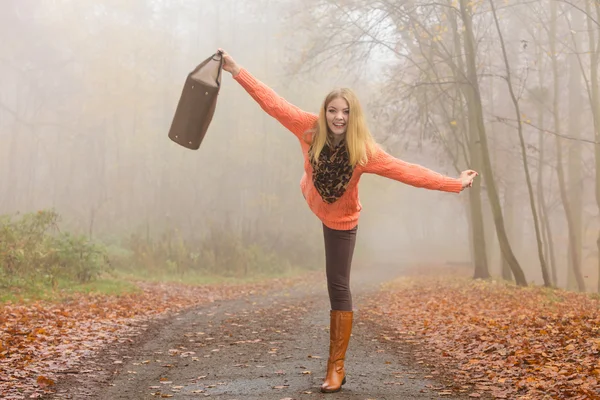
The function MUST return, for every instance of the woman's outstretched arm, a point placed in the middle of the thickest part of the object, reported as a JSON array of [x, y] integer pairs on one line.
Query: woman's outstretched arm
[[290, 116], [382, 163]]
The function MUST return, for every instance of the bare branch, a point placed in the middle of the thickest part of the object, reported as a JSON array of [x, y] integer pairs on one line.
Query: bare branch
[[580, 9], [505, 120]]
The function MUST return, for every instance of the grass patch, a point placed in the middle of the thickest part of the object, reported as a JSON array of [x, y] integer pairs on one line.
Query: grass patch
[[103, 286], [21, 292], [199, 279], [121, 282]]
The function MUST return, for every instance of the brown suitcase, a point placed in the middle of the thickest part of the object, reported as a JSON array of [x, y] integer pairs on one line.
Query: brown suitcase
[[197, 103]]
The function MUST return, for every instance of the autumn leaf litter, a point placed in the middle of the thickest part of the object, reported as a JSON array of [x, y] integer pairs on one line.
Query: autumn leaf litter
[[495, 339], [40, 342]]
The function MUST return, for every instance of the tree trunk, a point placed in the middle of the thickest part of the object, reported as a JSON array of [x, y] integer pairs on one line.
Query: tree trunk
[[546, 228], [492, 247], [595, 106], [476, 112], [550, 244], [534, 213], [559, 158], [481, 270], [480, 258], [509, 217], [575, 166]]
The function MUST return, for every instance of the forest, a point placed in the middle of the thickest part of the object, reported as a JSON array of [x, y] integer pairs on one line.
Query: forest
[[105, 223], [508, 88]]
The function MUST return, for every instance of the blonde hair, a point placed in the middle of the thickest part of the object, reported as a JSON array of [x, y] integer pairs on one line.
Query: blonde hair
[[359, 141]]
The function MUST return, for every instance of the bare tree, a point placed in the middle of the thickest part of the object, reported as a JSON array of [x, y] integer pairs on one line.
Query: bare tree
[[559, 162], [575, 161], [546, 276], [594, 91], [476, 112]]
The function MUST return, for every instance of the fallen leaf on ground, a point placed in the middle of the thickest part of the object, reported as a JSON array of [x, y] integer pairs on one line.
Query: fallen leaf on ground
[[536, 341], [46, 339]]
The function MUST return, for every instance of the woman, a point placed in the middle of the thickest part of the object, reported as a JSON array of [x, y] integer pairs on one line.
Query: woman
[[338, 148]]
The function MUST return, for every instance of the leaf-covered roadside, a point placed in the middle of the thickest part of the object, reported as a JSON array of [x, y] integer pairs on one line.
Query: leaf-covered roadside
[[495, 339], [41, 341]]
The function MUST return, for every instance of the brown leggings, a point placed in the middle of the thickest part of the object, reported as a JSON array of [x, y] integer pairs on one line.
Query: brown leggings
[[339, 247]]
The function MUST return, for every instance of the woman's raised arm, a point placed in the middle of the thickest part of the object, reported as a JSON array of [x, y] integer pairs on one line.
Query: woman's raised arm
[[290, 116]]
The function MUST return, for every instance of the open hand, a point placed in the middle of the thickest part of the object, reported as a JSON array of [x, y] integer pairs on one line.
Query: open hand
[[229, 64], [466, 177]]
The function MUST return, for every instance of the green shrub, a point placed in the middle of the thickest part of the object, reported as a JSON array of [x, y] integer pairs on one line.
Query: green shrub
[[32, 249], [33, 252]]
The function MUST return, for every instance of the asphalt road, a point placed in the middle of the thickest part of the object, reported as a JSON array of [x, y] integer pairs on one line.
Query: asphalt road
[[270, 347]]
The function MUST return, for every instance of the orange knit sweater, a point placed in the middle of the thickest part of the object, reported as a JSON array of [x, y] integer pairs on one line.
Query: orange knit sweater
[[342, 214]]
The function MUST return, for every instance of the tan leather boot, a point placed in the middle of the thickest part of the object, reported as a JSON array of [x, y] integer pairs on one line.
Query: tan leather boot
[[339, 335]]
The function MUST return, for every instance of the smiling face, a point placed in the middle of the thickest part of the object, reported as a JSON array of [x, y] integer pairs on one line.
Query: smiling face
[[337, 113], [341, 117]]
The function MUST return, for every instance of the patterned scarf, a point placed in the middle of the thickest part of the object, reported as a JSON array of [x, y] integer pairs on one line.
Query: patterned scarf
[[333, 172]]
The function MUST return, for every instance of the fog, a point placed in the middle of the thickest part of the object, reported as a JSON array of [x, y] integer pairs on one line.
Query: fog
[[88, 90]]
